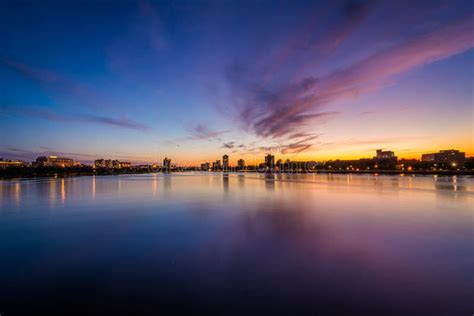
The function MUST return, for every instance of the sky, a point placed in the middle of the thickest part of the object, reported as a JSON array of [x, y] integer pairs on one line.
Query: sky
[[194, 80]]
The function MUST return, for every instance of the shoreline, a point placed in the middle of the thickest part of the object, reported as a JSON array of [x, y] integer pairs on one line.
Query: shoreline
[[129, 172]]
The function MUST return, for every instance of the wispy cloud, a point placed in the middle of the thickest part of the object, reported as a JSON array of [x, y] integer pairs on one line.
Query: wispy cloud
[[204, 132], [228, 145], [86, 118], [295, 107], [58, 85]]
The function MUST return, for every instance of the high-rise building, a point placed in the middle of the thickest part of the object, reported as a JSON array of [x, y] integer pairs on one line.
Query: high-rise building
[[269, 161], [54, 161], [225, 162], [205, 166], [216, 165], [166, 164], [451, 157], [241, 164]]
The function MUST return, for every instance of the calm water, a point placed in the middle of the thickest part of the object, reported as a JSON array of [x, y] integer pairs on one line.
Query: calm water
[[292, 244]]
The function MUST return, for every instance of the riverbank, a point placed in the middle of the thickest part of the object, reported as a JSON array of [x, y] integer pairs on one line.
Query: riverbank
[[45, 172]]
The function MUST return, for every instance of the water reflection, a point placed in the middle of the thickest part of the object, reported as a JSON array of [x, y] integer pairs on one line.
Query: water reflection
[[241, 180], [331, 243], [225, 182], [63, 191], [93, 187], [270, 181]]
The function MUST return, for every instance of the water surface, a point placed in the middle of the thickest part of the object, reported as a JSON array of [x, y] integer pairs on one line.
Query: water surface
[[238, 244]]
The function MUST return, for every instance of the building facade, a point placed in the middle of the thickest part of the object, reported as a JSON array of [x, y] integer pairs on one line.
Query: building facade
[[109, 163], [269, 161], [216, 165], [382, 155], [11, 163], [241, 164], [205, 166], [225, 162], [450, 157], [54, 161]]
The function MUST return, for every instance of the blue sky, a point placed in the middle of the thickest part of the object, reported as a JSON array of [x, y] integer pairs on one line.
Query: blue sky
[[139, 80]]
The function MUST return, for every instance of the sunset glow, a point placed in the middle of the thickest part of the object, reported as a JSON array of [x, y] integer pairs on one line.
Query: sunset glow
[[142, 80]]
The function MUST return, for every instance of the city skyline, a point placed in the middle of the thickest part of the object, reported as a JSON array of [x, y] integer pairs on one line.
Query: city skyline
[[141, 80]]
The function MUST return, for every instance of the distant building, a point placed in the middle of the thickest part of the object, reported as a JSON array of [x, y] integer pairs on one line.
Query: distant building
[[225, 162], [216, 165], [450, 157], [11, 163], [116, 164], [54, 161], [205, 166], [109, 163], [99, 163], [382, 155], [241, 164], [269, 161], [166, 164]]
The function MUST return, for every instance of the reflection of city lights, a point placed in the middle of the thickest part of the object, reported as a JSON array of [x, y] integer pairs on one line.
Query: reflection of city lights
[[93, 187], [63, 191]]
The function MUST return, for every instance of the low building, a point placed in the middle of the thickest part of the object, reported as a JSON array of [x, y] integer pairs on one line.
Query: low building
[[383, 155], [451, 157], [109, 163], [99, 163], [125, 164], [54, 161], [5, 163]]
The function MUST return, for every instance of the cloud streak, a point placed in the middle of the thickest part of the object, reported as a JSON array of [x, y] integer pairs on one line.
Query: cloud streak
[[203, 132], [294, 107], [85, 118]]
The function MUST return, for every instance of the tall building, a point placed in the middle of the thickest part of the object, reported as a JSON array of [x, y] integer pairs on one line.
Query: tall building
[[269, 161], [241, 164], [451, 157], [205, 166], [166, 164], [225, 162], [216, 165], [54, 161]]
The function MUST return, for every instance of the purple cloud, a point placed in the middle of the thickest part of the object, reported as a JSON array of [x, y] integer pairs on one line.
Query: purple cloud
[[87, 118], [292, 107], [203, 132]]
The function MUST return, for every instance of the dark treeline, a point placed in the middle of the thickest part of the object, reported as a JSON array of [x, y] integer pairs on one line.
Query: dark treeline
[[33, 172]]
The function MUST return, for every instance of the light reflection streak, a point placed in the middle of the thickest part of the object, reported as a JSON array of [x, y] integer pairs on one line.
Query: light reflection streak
[[93, 187], [63, 191]]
